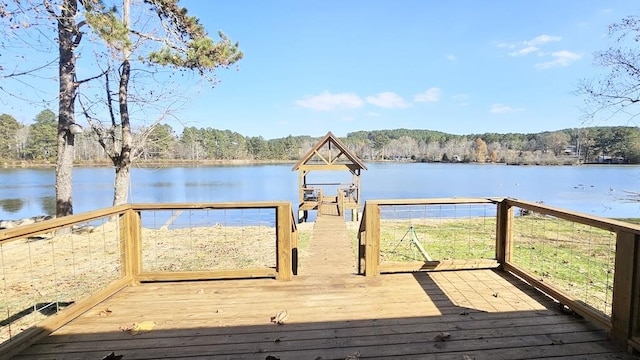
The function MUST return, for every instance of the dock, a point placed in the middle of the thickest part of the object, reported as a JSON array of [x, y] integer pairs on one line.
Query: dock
[[329, 312]]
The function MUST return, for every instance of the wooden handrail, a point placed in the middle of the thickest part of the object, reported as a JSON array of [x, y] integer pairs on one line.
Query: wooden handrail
[[130, 225], [581, 218], [624, 323], [59, 223]]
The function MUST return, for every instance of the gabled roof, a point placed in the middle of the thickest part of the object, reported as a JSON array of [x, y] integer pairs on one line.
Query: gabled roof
[[333, 141]]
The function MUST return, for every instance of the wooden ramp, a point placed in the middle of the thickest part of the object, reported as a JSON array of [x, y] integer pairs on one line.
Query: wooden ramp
[[331, 251], [329, 206]]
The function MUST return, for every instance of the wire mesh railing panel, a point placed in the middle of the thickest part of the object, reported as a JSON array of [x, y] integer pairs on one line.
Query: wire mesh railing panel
[[437, 232], [574, 258], [208, 239], [45, 273]]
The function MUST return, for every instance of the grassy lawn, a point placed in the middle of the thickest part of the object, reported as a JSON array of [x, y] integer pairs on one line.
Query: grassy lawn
[[577, 259]]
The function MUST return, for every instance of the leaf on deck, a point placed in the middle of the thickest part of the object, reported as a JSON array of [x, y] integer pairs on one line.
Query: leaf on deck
[[105, 312], [280, 317], [142, 327], [443, 336]]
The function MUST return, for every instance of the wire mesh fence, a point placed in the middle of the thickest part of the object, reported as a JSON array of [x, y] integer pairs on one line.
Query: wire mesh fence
[[44, 273], [437, 232], [208, 239], [574, 258]]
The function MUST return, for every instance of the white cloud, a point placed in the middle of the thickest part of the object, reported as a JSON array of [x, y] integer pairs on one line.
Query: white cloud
[[387, 100], [503, 109], [529, 46], [431, 95], [524, 51], [542, 39], [560, 58], [327, 101], [451, 57]]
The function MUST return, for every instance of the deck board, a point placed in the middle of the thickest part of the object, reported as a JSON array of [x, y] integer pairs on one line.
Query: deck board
[[333, 313]]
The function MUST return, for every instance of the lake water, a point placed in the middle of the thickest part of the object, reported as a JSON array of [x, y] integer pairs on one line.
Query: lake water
[[593, 189]]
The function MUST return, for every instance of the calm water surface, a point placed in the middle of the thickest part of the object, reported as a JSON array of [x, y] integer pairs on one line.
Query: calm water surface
[[596, 190]]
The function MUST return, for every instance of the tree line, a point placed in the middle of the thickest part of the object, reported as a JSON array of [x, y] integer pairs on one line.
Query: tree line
[[618, 144]]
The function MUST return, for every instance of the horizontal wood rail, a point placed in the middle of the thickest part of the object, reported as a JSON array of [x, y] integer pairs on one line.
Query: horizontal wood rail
[[624, 322], [369, 234], [130, 224]]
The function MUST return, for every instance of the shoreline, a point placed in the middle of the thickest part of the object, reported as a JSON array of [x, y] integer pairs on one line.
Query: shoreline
[[199, 163]]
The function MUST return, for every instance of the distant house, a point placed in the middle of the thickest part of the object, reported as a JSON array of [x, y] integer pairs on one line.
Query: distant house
[[456, 158], [569, 150], [605, 159]]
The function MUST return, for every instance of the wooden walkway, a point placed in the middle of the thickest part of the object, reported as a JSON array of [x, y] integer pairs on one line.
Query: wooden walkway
[[331, 251], [332, 314]]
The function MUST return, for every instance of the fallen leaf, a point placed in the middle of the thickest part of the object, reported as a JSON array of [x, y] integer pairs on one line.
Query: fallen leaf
[[105, 312], [443, 336], [280, 317], [113, 356], [127, 326], [354, 356], [142, 327], [270, 357], [556, 342], [495, 294], [467, 357]]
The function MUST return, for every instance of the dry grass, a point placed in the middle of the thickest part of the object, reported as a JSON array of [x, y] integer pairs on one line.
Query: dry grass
[[44, 274]]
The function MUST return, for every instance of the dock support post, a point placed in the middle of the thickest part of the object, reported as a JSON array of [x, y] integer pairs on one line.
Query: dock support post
[[355, 215], [283, 242]]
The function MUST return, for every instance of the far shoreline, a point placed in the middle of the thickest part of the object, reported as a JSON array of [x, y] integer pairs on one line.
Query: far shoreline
[[24, 164]]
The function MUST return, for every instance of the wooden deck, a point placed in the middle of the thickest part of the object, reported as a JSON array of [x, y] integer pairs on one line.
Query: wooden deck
[[332, 314]]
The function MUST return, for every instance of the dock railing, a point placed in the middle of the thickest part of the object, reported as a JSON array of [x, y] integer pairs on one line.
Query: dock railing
[[65, 266], [589, 264]]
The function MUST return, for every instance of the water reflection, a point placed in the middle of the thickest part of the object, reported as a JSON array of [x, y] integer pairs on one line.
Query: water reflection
[[595, 190], [162, 184], [48, 204], [11, 205]]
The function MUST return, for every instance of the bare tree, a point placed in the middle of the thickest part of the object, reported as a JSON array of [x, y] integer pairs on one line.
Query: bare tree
[[617, 91], [35, 18]]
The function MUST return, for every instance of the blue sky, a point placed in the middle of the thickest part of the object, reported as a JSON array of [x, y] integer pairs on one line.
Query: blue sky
[[458, 66]]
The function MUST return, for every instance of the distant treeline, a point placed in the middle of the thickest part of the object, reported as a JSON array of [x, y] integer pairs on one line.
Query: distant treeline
[[617, 144]]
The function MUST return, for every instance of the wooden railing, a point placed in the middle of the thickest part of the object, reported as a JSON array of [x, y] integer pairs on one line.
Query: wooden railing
[[623, 321], [285, 237], [121, 233]]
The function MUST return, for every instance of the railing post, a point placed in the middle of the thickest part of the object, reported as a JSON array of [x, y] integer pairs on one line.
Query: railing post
[[130, 247], [372, 239], [341, 202], [294, 246], [625, 309], [503, 232], [283, 242], [361, 243]]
